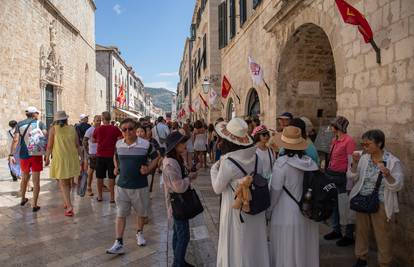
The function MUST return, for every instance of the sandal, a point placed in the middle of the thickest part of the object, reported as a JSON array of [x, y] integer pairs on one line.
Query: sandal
[[24, 201], [99, 200], [69, 213], [36, 209], [112, 201]]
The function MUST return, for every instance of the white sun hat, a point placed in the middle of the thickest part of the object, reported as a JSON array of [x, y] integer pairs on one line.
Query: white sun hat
[[235, 131]]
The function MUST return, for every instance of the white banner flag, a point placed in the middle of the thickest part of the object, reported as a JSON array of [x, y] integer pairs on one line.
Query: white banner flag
[[213, 97], [256, 72], [196, 104]]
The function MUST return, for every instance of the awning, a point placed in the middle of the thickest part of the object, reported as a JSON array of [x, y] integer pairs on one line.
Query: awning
[[128, 113]]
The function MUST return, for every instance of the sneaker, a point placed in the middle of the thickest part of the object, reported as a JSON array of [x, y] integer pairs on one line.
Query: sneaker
[[361, 263], [117, 248], [332, 236], [141, 240], [345, 241]]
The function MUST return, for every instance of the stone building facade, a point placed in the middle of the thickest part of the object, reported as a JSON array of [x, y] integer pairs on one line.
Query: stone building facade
[[38, 41], [111, 65], [317, 66], [201, 63]]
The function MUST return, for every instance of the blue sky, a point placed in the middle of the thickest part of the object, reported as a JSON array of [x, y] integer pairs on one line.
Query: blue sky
[[149, 33]]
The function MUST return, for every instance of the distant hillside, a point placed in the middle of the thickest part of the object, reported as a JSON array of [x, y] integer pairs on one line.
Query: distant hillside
[[161, 97]]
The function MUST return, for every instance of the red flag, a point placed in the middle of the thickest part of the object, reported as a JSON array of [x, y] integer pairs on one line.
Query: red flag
[[352, 16], [225, 87], [121, 95], [191, 108], [204, 101]]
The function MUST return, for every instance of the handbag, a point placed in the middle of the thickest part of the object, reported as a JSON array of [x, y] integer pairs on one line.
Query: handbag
[[367, 204], [82, 184], [185, 205]]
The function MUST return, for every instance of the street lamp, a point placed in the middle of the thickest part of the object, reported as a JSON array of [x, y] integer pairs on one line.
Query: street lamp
[[206, 86]]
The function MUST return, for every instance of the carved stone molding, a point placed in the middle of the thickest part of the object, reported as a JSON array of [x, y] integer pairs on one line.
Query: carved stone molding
[[51, 68]]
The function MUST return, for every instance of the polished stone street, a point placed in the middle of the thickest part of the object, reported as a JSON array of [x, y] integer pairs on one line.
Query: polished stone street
[[48, 238]]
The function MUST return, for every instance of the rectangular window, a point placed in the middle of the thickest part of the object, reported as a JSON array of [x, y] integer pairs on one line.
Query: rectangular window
[[243, 12], [256, 3], [198, 17], [222, 25], [205, 51], [186, 88], [232, 18], [193, 32], [199, 63]]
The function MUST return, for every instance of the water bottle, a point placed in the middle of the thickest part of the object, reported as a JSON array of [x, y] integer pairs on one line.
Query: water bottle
[[307, 203]]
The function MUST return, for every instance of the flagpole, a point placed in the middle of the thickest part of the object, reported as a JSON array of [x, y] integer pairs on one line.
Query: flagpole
[[377, 50], [267, 86], [236, 94]]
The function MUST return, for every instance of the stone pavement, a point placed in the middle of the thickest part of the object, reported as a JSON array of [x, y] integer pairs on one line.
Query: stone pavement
[[48, 238]]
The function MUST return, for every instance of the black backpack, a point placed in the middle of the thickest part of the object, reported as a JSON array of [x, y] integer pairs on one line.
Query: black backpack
[[324, 196], [259, 191]]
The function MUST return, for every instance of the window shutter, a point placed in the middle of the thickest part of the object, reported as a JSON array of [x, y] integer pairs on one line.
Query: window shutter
[[222, 25], [243, 12], [205, 51], [232, 18]]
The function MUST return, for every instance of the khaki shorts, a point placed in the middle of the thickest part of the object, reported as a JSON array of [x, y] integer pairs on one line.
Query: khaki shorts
[[137, 198]]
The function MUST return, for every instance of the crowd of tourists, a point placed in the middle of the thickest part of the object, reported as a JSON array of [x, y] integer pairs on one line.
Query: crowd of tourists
[[274, 189]]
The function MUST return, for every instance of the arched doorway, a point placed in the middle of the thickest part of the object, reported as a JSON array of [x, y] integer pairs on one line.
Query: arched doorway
[[253, 104], [231, 110], [306, 82]]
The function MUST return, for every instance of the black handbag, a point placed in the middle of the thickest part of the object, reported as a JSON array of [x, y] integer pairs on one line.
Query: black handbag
[[367, 204], [185, 205]]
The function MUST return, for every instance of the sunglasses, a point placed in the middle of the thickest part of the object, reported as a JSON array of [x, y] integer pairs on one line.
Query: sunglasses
[[130, 129]]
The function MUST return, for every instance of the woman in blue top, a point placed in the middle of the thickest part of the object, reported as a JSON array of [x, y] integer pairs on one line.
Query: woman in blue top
[[311, 149]]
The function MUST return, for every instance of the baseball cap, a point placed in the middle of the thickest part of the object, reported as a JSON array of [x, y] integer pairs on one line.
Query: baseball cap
[[285, 115], [82, 116], [32, 110]]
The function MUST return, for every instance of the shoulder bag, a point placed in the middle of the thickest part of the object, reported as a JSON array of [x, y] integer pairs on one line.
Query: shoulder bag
[[367, 204], [185, 205]]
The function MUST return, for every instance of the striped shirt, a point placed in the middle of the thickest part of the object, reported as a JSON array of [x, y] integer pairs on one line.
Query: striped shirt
[[131, 158]]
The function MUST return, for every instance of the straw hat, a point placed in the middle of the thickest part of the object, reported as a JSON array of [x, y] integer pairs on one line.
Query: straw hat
[[291, 138], [61, 115], [235, 131]]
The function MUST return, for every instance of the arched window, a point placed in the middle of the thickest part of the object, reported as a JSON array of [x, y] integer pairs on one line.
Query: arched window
[[231, 110], [253, 106]]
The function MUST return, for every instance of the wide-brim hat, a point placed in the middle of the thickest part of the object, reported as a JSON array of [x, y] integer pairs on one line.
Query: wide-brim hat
[[60, 116], [235, 131], [173, 139], [291, 138]]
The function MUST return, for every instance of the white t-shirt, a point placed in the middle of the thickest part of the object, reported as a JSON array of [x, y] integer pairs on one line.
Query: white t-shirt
[[92, 146]]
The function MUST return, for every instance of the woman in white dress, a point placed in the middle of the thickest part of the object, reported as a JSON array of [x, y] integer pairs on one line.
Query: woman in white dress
[[294, 239], [240, 244], [200, 143], [264, 154]]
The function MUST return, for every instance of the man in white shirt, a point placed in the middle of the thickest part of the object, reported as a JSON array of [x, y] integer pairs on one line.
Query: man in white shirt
[[160, 132], [90, 148]]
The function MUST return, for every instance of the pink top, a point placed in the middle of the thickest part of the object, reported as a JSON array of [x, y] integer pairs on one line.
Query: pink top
[[173, 180], [341, 149]]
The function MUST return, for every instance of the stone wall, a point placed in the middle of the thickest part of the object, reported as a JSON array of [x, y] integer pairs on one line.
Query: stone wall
[[100, 101], [24, 29], [368, 94]]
